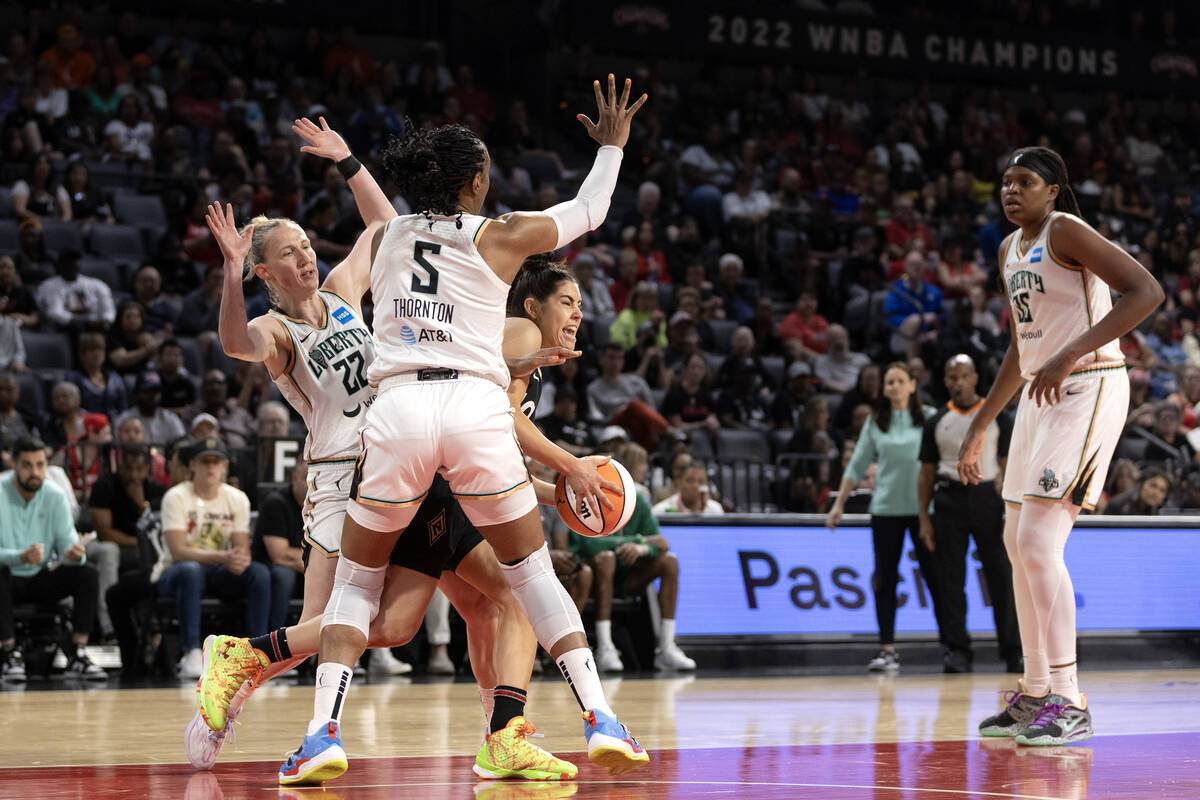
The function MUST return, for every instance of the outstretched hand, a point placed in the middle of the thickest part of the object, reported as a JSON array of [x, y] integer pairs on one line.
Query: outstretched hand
[[323, 141], [521, 366], [613, 120], [234, 246]]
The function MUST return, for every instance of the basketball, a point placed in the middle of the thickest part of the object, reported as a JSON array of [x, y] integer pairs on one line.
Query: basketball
[[578, 513]]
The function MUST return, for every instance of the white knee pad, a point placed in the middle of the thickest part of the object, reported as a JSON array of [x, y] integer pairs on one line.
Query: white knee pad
[[354, 600], [545, 602]]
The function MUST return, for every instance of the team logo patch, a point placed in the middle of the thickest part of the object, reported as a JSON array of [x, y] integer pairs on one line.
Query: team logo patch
[[437, 527], [1048, 482], [407, 335], [316, 355], [1035, 256], [343, 315]]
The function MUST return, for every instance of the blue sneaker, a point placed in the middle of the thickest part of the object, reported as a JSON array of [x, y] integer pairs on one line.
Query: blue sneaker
[[611, 745], [319, 759]]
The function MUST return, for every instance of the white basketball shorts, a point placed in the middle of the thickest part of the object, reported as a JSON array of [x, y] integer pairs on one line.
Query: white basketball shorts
[[1062, 451], [462, 428], [325, 504]]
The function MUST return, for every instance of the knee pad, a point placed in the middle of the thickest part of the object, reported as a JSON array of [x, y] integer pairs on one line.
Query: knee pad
[[354, 600], [545, 602]]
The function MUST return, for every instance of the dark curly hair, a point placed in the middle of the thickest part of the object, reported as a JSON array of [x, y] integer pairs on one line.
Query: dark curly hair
[[539, 275], [1053, 170], [432, 166]]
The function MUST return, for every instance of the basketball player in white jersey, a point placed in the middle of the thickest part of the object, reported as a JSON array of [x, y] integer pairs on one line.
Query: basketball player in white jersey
[[440, 280], [1058, 272]]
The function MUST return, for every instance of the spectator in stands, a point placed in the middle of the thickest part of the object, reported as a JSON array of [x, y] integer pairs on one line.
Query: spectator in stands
[[206, 527], [563, 426], [32, 261], [13, 424], [787, 406], [692, 497], [101, 389], [178, 385], [1169, 445], [12, 345], [279, 542], [905, 225], [37, 533], [202, 306], [707, 173], [87, 203], [1189, 493], [593, 288], [626, 280], [650, 209], [688, 300], [273, 420], [52, 101], [745, 210], [763, 326], [913, 308], [738, 296], [803, 330], [741, 348], [161, 425], [961, 336], [612, 392], [132, 431], [63, 423], [839, 369], [689, 405], [742, 403], [16, 301], [158, 313], [642, 308], [680, 458], [74, 302], [237, 426], [131, 347], [38, 195], [1122, 477], [74, 67], [652, 263], [957, 274], [1145, 498], [130, 135]]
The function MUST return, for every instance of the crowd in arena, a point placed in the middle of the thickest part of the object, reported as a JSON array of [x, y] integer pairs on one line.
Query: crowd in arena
[[758, 269]]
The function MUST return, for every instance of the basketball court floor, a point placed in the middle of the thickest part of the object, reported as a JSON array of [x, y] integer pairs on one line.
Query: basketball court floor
[[885, 738]]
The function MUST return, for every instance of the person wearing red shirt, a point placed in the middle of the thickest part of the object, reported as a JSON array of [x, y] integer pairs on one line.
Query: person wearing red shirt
[[73, 67], [803, 330], [904, 226]]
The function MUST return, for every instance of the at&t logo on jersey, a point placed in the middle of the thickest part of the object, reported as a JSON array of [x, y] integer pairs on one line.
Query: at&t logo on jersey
[[343, 315], [407, 335]]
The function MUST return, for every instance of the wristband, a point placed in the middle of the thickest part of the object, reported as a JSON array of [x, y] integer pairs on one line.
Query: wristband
[[349, 166]]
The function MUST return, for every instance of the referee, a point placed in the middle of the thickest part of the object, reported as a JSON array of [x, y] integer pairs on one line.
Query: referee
[[960, 511]]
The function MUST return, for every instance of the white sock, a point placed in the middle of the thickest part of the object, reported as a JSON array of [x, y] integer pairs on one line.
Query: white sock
[[666, 633], [579, 668], [604, 635], [333, 681], [1063, 681]]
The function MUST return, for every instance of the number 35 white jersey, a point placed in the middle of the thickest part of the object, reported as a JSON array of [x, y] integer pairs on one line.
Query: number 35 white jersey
[[437, 303], [326, 378]]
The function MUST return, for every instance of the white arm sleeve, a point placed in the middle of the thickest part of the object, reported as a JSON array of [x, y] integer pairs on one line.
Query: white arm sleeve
[[585, 213]]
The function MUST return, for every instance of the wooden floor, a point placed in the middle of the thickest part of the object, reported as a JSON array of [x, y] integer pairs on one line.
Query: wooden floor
[[910, 736]]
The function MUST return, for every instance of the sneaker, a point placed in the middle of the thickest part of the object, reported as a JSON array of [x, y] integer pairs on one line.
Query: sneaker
[[12, 666], [319, 759], [957, 661], [611, 745], [203, 744], [884, 661], [384, 663], [608, 659], [81, 666], [440, 664], [228, 662], [534, 790], [1058, 722], [507, 753], [191, 665], [1021, 710], [671, 657]]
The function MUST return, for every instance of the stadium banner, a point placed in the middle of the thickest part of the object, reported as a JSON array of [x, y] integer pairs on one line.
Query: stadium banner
[[766, 579], [773, 33]]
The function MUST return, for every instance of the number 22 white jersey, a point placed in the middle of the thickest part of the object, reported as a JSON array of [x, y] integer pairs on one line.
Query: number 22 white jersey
[[438, 305], [1053, 303]]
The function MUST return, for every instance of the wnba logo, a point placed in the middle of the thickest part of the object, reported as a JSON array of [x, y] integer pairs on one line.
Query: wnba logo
[[407, 335]]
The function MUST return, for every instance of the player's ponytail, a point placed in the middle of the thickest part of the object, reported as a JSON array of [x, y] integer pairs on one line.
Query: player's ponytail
[[1053, 170], [539, 276], [431, 167], [257, 254]]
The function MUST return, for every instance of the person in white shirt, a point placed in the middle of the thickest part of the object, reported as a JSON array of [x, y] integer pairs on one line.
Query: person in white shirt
[[838, 367], [692, 497], [128, 135], [593, 286], [75, 302]]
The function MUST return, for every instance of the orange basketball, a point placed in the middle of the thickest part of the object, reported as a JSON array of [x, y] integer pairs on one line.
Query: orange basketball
[[581, 517]]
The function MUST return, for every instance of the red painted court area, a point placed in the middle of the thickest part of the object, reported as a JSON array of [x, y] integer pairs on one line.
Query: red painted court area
[[1107, 768]]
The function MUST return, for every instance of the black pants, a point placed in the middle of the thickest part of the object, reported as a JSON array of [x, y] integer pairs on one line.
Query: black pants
[[960, 512], [79, 582], [130, 607], [888, 535]]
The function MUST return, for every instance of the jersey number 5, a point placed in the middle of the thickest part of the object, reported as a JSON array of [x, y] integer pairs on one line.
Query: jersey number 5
[[419, 250]]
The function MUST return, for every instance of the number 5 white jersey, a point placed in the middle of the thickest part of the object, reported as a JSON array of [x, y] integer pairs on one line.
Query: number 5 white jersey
[[326, 378], [438, 305], [1053, 303]]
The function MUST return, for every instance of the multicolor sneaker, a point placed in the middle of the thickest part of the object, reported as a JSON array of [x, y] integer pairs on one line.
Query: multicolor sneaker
[[1021, 710], [611, 745], [319, 759], [203, 745], [1058, 722], [228, 663], [512, 790], [507, 753]]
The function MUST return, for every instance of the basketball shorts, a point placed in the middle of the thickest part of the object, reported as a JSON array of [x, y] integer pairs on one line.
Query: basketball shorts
[[439, 537], [325, 505], [460, 428], [1062, 451]]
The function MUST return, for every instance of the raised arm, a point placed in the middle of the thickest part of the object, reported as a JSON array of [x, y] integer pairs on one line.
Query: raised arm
[[323, 141], [504, 244], [352, 278]]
